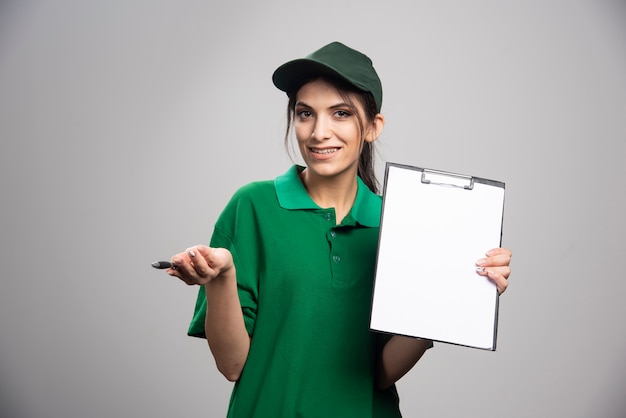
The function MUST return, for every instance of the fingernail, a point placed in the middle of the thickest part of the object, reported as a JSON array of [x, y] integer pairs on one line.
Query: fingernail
[[480, 269], [191, 253], [174, 262], [481, 262]]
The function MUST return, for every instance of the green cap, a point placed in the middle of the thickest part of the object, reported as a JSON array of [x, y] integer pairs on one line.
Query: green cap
[[335, 60]]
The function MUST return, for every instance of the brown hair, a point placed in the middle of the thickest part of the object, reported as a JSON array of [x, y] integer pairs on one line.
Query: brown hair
[[366, 160]]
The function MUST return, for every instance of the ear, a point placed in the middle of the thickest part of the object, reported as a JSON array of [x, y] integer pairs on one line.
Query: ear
[[376, 128]]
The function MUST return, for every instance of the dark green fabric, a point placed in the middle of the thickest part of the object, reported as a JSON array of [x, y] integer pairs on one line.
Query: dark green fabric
[[335, 60], [305, 287]]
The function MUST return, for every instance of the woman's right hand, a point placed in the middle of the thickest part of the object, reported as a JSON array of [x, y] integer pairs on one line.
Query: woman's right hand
[[224, 324], [200, 264]]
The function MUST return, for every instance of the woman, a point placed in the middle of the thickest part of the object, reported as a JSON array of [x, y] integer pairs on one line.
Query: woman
[[288, 277]]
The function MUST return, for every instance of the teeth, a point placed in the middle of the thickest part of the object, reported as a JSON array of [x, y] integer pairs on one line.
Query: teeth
[[324, 151]]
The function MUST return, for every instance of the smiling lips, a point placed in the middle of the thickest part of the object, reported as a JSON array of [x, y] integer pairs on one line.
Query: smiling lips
[[323, 150]]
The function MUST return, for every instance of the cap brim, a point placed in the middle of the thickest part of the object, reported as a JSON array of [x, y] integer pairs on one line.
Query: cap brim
[[290, 76]]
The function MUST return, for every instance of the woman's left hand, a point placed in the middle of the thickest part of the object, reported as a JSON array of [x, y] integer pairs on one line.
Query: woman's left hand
[[495, 266]]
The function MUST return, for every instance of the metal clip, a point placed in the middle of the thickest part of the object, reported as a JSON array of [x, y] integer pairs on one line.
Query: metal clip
[[442, 178]]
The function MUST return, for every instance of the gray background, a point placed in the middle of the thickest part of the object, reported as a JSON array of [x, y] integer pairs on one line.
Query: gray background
[[127, 125]]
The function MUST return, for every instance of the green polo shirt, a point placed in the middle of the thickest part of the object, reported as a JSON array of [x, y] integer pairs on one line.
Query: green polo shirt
[[305, 288]]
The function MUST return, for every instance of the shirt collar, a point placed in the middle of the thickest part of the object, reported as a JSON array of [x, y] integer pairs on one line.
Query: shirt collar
[[292, 195]]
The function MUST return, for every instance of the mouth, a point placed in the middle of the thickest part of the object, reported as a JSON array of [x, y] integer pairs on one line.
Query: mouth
[[323, 150]]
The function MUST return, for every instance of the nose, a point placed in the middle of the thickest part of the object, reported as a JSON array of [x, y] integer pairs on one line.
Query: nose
[[322, 129]]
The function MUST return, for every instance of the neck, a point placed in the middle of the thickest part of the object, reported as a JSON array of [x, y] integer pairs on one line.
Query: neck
[[336, 192]]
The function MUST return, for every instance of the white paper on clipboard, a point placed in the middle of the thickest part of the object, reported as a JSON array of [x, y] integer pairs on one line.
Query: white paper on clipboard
[[434, 226]]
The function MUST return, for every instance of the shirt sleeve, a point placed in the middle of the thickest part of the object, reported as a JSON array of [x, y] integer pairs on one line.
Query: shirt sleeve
[[235, 219]]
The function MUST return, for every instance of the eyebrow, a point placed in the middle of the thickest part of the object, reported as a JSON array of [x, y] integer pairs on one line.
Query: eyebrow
[[335, 106]]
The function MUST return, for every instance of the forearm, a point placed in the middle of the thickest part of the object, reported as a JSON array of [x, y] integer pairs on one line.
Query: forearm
[[396, 357], [224, 326]]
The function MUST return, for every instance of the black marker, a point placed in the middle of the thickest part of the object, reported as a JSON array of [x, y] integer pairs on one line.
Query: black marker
[[163, 265]]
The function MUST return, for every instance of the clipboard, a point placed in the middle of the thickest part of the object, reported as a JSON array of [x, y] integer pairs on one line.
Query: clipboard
[[434, 226]]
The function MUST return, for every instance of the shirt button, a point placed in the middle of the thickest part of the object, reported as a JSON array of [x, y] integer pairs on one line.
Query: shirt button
[[336, 259], [333, 234], [328, 216]]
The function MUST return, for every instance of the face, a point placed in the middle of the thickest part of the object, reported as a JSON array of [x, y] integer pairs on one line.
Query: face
[[328, 131]]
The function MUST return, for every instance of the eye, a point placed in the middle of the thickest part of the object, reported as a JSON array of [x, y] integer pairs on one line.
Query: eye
[[303, 114], [343, 114]]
